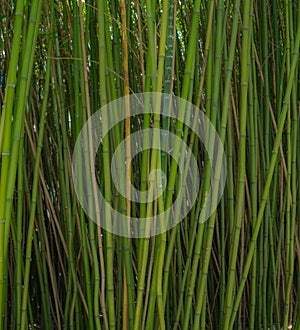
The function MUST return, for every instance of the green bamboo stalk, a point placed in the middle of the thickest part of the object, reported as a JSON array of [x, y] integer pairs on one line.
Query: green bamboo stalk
[[19, 262], [5, 124], [266, 147], [291, 202], [145, 210], [35, 16], [77, 125], [253, 184], [106, 164], [5, 137]]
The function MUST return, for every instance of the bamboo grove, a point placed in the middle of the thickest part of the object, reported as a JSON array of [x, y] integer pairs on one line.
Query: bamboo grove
[[237, 61]]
